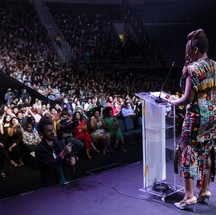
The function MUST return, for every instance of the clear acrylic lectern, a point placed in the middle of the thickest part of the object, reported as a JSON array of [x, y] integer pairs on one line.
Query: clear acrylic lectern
[[158, 126]]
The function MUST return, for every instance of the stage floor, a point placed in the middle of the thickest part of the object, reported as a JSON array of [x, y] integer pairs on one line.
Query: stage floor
[[111, 192]]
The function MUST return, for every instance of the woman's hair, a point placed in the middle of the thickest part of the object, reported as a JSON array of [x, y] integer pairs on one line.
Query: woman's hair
[[106, 111], [5, 116], [29, 124], [74, 116], [12, 119], [30, 119], [198, 39], [94, 110]]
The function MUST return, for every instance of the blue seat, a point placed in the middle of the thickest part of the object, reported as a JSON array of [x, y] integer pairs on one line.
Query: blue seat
[[129, 124], [129, 135]]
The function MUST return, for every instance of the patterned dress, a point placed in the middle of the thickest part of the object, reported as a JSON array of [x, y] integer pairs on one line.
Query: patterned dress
[[99, 131], [199, 126]]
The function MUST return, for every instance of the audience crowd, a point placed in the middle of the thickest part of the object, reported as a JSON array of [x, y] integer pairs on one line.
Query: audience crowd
[[90, 31], [86, 100], [86, 124]]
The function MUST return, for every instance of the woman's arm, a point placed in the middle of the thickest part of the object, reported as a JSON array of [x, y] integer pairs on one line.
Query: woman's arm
[[188, 96], [93, 123], [1, 129]]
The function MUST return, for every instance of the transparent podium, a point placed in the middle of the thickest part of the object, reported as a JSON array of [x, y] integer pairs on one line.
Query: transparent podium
[[158, 126]]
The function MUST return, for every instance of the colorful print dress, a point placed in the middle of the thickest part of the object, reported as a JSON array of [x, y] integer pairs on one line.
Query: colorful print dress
[[199, 126]]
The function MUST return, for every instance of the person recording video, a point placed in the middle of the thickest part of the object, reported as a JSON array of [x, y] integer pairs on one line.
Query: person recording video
[[52, 155]]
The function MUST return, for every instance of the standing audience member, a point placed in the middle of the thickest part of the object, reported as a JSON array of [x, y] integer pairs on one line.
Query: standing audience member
[[199, 127], [9, 96]]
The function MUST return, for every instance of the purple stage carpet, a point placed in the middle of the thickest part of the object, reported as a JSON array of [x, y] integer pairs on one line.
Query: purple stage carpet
[[112, 192]]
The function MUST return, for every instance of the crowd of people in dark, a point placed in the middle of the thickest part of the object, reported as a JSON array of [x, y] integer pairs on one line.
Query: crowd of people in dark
[[92, 35], [86, 101]]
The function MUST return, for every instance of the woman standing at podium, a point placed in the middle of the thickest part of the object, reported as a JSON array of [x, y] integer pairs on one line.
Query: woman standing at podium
[[199, 127]]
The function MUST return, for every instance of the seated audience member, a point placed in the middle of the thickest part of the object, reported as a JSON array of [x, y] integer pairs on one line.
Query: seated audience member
[[77, 105], [31, 137], [31, 120], [111, 123], [98, 132], [85, 117], [2, 161], [53, 156], [30, 140], [64, 129], [54, 116], [25, 95], [4, 139], [4, 156], [127, 110], [66, 105], [81, 133], [88, 105], [21, 118], [15, 133], [109, 102], [116, 109]]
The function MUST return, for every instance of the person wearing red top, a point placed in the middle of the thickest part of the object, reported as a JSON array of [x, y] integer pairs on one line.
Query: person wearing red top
[[116, 109], [81, 133]]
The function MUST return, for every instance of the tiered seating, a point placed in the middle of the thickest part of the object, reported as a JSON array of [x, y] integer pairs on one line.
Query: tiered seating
[[169, 22], [88, 29], [129, 130], [177, 11]]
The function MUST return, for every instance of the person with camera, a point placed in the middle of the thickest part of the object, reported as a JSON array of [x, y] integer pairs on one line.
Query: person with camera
[[64, 129], [54, 158]]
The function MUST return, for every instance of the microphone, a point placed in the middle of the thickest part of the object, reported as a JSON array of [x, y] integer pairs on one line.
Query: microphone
[[159, 99]]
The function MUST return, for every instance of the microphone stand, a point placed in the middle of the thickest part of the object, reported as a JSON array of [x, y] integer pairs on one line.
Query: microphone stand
[[159, 99]]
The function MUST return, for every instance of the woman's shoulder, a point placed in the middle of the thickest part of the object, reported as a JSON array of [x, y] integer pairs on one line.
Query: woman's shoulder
[[201, 63]]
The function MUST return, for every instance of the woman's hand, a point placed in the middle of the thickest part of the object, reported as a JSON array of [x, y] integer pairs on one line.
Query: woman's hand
[[172, 100]]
